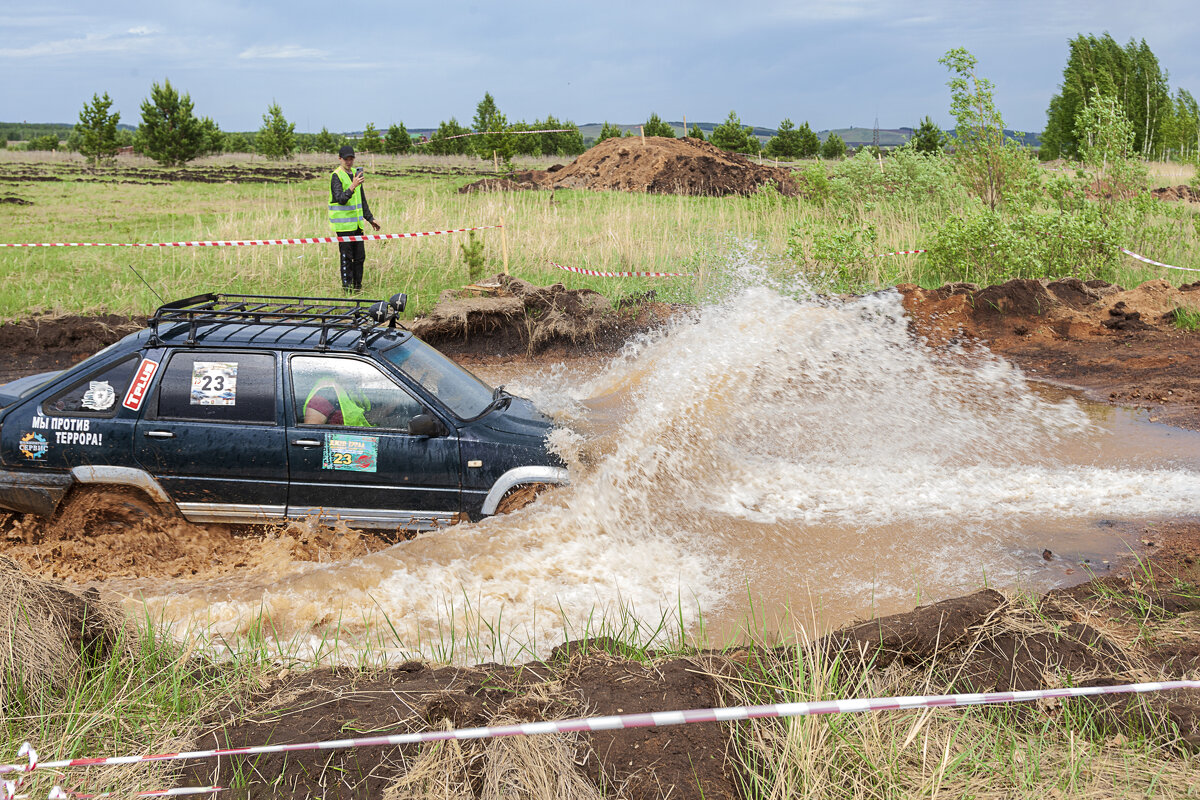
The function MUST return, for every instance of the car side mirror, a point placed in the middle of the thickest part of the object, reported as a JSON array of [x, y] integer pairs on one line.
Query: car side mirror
[[425, 425]]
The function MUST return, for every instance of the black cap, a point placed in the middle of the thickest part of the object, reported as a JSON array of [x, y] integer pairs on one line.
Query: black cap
[[346, 152]]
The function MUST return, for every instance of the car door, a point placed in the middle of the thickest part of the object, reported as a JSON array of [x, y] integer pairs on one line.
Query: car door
[[211, 433], [351, 456]]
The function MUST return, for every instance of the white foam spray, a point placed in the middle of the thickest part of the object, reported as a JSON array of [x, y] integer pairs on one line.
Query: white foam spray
[[786, 444]]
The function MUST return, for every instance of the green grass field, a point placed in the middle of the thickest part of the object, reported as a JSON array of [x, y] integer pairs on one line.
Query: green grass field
[[596, 230]]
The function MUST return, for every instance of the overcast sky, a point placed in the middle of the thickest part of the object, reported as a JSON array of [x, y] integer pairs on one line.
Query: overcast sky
[[834, 63]]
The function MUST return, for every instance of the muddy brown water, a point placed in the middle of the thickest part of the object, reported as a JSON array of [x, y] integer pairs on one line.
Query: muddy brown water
[[725, 471]]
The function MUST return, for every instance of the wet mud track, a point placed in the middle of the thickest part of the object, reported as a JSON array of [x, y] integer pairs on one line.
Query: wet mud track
[[1097, 629]]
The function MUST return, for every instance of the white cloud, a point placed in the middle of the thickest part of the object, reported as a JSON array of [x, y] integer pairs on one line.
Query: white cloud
[[92, 43], [282, 51], [141, 30]]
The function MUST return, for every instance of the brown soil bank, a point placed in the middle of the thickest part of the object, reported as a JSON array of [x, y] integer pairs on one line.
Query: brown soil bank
[[1121, 346], [1111, 631], [654, 165]]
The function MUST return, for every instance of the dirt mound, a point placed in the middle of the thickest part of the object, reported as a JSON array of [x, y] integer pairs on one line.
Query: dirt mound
[[512, 315], [99, 535], [1183, 192], [654, 165], [497, 185], [16, 201]]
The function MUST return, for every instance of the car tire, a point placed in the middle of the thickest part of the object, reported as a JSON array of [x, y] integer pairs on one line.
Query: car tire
[[98, 510], [520, 496]]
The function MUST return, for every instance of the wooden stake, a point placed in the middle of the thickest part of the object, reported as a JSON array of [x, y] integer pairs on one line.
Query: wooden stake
[[642, 128], [495, 161], [685, 133], [504, 243]]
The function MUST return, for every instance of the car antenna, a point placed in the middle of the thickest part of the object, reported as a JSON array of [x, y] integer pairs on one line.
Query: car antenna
[[148, 286]]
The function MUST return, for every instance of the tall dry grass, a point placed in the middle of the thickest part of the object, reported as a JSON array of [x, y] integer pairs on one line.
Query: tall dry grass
[[603, 231]]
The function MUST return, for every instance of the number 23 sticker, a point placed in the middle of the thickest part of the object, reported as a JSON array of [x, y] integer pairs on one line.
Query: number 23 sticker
[[214, 383]]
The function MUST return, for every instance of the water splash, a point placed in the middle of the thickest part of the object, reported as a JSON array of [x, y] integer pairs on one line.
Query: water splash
[[774, 439]]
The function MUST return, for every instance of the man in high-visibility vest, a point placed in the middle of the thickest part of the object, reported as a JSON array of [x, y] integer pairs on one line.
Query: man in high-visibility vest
[[347, 209]]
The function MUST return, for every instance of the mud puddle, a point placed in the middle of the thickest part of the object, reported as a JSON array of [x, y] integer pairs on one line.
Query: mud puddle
[[770, 453]]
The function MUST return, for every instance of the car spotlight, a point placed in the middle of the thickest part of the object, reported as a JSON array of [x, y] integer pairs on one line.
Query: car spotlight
[[398, 302], [381, 312]]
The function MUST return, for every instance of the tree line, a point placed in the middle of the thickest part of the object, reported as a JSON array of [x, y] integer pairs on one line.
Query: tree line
[[1164, 125]]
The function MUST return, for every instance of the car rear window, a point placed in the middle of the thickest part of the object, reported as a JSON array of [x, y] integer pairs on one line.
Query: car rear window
[[219, 387]]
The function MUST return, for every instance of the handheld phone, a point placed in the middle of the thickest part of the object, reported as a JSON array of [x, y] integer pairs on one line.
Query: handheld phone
[[358, 172]]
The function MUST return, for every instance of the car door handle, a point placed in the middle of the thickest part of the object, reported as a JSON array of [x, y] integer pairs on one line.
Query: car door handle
[[306, 442], [160, 434]]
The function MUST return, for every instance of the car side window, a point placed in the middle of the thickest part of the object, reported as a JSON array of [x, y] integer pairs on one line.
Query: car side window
[[218, 387], [348, 392], [98, 395]]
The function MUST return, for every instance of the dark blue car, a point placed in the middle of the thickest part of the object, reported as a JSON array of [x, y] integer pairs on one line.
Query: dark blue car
[[254, 409]]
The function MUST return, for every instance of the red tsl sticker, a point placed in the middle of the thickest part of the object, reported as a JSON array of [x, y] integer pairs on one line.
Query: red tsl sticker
[[141, 382]]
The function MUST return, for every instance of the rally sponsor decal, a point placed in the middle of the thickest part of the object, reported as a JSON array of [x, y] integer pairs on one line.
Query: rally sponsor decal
[[141, 382], [352, 453], [33, 446], [69, 430], [214, 383], [100, 396]]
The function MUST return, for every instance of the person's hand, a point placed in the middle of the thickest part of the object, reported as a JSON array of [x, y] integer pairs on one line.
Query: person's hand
[[375, 225], [358, 180]]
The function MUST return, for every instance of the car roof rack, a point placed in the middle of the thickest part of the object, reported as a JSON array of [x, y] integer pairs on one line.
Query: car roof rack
[[327, 314]]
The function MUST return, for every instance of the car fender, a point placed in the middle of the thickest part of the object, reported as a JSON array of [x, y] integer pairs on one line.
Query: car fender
[[518, 476], [123, 476]]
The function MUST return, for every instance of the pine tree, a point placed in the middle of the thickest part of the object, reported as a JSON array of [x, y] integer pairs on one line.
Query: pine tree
[[834, 147], [785, 143], [371, 141], [810, 143], [276, 138], [397, 140], [98, 130], [608, 132], [656, 127], [441, 143], [730, 135], [325, 142], [928, 137], [170, 133], [214, 140], [696, 133], [493, 125]]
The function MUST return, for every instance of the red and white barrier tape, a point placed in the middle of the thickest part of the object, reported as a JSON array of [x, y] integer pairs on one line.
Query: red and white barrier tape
[[899, 253], [645, 720], [251, 242], [1152, 261], [599, 274], [1122, 249], [58, 793]]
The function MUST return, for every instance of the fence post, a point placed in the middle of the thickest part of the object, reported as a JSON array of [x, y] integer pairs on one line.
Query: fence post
[[504, 243]]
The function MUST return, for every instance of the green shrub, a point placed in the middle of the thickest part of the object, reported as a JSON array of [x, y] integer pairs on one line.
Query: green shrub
[[837, 258], [472, 254], [984, 246]]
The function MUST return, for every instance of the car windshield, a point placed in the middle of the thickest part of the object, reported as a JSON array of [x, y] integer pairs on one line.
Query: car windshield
[[459, 390]]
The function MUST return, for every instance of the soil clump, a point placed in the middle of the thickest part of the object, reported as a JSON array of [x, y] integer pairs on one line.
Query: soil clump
[[506, 315], [1182, 192], [1118, 345], [654, 165]]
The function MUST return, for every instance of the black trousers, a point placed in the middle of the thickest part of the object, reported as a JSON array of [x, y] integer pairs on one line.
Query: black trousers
[[352, 255]]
